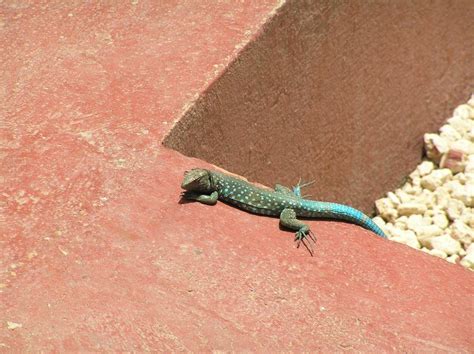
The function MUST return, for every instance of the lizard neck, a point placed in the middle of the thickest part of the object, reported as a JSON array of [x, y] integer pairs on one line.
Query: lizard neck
[[214, 179]]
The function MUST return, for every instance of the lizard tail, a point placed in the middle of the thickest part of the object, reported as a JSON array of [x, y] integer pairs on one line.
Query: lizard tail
[[340, 212]]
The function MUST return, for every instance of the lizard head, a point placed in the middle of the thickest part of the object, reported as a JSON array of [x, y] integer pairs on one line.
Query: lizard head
[[197, 180]]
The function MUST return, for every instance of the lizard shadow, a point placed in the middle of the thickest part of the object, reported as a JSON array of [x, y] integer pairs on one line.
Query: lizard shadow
[[183, 200], [307, 241]]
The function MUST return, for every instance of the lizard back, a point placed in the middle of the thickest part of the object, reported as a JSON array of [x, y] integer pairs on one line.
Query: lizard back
[[263, 201], [251, 198]]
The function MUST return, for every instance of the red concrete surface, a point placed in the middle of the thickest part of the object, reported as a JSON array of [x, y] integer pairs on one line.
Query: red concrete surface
[[97, 253]]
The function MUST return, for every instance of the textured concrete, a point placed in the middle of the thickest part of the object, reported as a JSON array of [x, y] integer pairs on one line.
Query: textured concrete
[[336, 91], [96, 251]]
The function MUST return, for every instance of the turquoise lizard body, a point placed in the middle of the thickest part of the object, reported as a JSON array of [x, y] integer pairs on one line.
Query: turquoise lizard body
[[207, 187]]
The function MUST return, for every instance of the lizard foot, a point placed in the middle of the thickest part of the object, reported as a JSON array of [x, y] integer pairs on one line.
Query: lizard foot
[[300, 237]]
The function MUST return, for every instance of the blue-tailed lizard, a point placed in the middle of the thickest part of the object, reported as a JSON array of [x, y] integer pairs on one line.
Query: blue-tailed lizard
[[207, 186]]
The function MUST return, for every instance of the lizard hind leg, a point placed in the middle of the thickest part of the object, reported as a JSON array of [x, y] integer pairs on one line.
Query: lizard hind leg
[[297, 188], [288, 219]]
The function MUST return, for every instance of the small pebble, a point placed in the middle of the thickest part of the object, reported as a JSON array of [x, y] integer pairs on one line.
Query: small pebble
[[446, 244], [410, 208], [386, 209], [441, 221], [438, 253], [13, 325], [408, 238], [464, 111], [468, 261], [425, 168], [453, 258], [436, 178], [455, 209]]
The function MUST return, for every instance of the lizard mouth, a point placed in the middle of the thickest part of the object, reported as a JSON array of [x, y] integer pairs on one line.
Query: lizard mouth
[[187, 180]]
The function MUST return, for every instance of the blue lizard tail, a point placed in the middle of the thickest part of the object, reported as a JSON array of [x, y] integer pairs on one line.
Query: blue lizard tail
[[311, 208]]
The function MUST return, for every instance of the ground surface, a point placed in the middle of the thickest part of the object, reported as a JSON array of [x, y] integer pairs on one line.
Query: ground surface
[[97, 253]]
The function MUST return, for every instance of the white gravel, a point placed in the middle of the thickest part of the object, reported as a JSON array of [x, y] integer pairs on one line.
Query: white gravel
[[434, 210]]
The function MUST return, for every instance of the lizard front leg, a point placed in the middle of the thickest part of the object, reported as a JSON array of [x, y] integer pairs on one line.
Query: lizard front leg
[[288, 219], [202, 198]]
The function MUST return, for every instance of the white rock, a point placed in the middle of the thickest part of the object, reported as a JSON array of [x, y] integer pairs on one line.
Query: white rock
[[438, 253], [448, 132], [403, 195], [428, 231], [454, 209], [416, 183], [464, 193], [440, 220], [452, 185], [446, 244], [442, 174], [394, 199], [390, 230], [470, 102], [436, 178], [442, 197], [469, 196], [410, 190], [396, 233], [464, 111], [467, 217], [462, 232], [413, 243], [470, 135], [410, 208], [414, 174], [401, 223], [469, 178], [468, 261], [460, 177], [414, 221], [386, 209], [425, 168], [463, 145], [380, 222], [429, 213], [470, 249], [469, 168], [427, 220], [408, 238], [427, 197], [461, 124], [453, 258]]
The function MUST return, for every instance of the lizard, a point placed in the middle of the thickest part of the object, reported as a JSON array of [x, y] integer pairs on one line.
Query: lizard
[[207, 186]]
